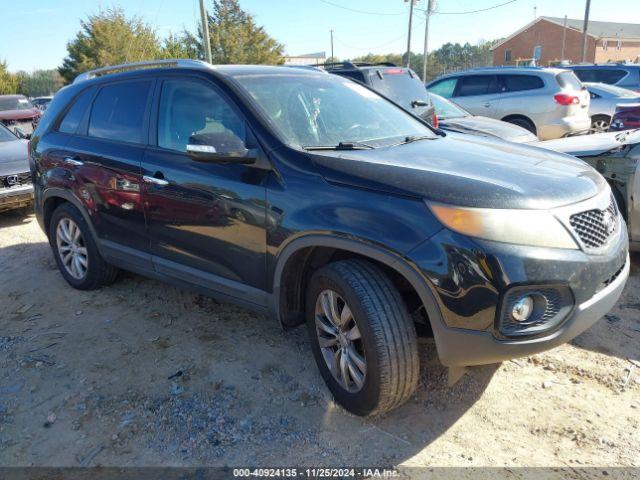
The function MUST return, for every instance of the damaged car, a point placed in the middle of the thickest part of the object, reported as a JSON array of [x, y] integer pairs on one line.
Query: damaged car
[[616, 155], [16, 190]]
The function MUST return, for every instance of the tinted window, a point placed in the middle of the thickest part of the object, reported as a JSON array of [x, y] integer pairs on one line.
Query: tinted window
[[76, 113], [399, 86], [517, 83], [568, 80], [118, 112], [609, 76], [444, 88], [191, 112], [357, 75], [585, 74], [477, 85]]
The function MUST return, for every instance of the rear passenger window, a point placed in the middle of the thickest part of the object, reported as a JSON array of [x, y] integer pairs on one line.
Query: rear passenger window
[[610, 76], [119, 110], [517, 83], [477, 85], [74, 116]]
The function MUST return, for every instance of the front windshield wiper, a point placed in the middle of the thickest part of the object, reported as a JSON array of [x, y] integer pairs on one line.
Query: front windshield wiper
[[341, 146], [414, 138]]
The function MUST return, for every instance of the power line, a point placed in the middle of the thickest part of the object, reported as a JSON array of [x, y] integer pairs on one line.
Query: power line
[[366, 12], [474, 11]]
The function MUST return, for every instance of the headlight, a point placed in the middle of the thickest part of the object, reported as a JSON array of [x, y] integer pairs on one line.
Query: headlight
[[522, 227]]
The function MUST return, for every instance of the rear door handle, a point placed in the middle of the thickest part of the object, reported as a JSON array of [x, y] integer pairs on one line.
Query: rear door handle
[[155, 180], [73, 161], [487, 105]]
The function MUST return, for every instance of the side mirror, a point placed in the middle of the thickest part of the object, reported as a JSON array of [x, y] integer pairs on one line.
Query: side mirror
[[222, 147], [419, 103]]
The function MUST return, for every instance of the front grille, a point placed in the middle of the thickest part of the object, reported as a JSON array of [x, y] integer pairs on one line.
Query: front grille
[[8, 181], [595, 227]]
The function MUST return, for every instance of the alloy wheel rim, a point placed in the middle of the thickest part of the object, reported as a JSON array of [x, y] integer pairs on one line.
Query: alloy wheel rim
[[71, 248], [600, 126], [340, 341]]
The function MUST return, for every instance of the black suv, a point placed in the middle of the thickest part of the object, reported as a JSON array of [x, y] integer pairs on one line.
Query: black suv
[[399, 84], [311, 198]]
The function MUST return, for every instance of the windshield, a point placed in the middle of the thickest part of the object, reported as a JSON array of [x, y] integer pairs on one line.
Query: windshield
[[446, 109], [612, 90], [6, 135], [15, 103], [325, 110]]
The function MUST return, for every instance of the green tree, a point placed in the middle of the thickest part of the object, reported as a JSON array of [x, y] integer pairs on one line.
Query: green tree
[[235, 37], [109, 38], [8, 81], [179, 46], [39, 83]]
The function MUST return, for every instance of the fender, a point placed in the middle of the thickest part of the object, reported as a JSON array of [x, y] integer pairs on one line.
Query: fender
[[373, 251], [69, 196]]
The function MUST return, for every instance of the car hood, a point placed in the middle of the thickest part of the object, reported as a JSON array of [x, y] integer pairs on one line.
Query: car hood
[[488, 126], [19, 114], [466, 170], [13, 157], [591, 145]]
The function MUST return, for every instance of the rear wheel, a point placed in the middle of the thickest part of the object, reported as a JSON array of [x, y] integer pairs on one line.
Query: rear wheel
[[522, 122], [75, 250], [363, 339], [600, 124]]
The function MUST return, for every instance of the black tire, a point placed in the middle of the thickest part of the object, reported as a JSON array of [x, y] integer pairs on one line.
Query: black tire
[[98, 272], [600, 124], [388, 336], [522, 122]]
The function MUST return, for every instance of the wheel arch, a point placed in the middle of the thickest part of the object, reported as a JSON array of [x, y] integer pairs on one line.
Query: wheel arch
[[296, 260], [54, 197], [519, 116]]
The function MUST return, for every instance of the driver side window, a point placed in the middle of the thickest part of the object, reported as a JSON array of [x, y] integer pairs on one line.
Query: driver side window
[[191, 112]]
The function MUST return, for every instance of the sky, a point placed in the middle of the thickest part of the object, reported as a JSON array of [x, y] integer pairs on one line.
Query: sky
[[34, 33]]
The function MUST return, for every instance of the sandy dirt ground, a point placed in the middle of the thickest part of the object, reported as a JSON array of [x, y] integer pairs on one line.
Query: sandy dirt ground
[[144, 374]]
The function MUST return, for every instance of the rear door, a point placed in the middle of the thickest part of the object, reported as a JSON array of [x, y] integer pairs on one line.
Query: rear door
[[106, 154], [522, 94], [478, 94], [206, 221]]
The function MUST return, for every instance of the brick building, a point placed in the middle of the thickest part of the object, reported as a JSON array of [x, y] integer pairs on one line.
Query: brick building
[[542, 40]]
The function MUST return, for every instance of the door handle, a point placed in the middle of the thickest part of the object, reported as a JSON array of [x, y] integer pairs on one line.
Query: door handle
[[487, 105], [73, 161], [155, 180]]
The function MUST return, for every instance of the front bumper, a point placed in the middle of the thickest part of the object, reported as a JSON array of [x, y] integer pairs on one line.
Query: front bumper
[[458, 347], [16, 197]]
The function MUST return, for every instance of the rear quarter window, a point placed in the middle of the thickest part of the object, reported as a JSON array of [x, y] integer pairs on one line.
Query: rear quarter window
[[610, 76], [72, 119], [518, 83], [568, 80], [118, 112]]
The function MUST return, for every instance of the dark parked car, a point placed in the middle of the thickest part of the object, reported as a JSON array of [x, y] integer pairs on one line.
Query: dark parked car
[[16, 190], [453, 118], [376, 228], [16, 111], [623, 75], [626, 117], [400, 84]]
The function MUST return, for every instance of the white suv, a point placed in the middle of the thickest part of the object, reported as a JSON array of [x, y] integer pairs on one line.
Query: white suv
[[550, 102]]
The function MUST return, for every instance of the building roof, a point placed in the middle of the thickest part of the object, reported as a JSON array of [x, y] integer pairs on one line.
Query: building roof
[[602, 29], [595, 29]]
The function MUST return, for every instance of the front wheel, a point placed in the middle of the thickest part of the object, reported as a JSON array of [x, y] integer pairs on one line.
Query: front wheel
[[362, 336]]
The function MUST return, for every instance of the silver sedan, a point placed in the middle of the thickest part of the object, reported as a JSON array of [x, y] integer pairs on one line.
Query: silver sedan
[[604, 99]]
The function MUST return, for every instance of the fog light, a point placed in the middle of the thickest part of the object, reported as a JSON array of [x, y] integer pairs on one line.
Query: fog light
[[522, 309]]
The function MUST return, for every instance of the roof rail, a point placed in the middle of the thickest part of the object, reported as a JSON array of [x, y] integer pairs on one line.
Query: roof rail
[[126, 67], [354, 65]]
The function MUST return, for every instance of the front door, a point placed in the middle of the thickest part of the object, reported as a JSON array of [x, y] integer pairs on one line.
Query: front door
[[478, 94], [206, 221]]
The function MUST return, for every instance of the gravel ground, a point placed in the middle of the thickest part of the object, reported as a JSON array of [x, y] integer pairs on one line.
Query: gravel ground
[[144, 374]]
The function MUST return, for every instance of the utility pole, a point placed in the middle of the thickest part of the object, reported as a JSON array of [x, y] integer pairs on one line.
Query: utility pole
[[564, 38], [425, 55], [411, 2], [535, 13], [583, 57], [332, 59], [205, 32]]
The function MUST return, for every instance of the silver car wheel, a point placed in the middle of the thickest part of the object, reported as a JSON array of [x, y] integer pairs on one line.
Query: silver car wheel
[[71, 248], [340, 341], [599, 126]]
